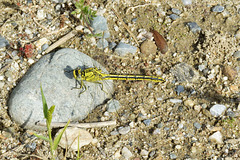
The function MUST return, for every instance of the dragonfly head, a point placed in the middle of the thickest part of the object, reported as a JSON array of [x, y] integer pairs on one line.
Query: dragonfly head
[[77, 73]]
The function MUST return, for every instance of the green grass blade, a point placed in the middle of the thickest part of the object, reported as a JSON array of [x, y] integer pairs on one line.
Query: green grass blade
[[45, 107], [59, 136], [41, 137]]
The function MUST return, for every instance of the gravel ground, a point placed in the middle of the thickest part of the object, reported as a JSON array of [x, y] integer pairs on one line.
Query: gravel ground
[[193, 115]]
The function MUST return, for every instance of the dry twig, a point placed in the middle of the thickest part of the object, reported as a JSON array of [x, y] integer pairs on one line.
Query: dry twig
[[81, 125], [61, 41], [120, 18]]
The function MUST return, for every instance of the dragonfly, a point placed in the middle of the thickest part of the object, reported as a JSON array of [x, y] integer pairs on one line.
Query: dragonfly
[[95, 75]]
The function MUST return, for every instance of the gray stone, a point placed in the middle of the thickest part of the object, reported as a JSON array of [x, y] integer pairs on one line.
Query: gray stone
[[124, 130], [218, 9], [236, 54], [122, 49], [187, 2], [113, 105], [44, 47], [99, 24], [112, 45], [3, 42], [147, 122], [179, 89], [185, 73], [173, 156], [217, 109], [194, 27], [176, 11], [197, 125], [174, 16], [102, 43], [53, 71]]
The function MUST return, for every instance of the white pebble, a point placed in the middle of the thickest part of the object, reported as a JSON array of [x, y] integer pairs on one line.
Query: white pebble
[[1, 77], [176, 100], [41, 14], [127, 154], [187, 2], [216, 137], [30, 61], [217, 109]]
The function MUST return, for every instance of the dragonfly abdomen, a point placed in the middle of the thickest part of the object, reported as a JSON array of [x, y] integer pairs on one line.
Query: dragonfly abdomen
[[133, 77]]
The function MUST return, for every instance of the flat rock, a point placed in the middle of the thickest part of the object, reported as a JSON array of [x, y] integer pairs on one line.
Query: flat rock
[[25, 102], [99, 25], [122, 49]]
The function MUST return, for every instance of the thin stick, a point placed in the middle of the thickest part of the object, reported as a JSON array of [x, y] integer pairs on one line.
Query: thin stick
[[80, 125], [149, 4], [125, 26], [61, 41]]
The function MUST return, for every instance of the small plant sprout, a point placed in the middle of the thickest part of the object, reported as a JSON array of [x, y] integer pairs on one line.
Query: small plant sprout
[[48, 116], [86, 14]]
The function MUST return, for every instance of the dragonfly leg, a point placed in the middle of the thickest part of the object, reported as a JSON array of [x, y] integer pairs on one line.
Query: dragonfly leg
[[101, 86], [82, 86]]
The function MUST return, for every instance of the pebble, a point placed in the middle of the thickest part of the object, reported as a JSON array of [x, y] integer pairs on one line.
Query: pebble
[[113, 105], [180, 126], [40, 43], [112, 45], [166, 128], [179, 89], [201, 67], [2, 85], [156, 131], [197, 125], [127, 154], [237, 35], [236, 54], [189, 103], [185, 73], [57, 90], [31, 61], [1, 77], [144, 153], [159, 125], [75, 138], [102, 43], [218, 9], [3, 42], [99, 24], [44, 47], [32, 146], [173, 156], [194, 27], [216, 137], [217, 109], [187, 2], [174, 16], [114, 133], [41, 14], [152, 153], [122, 49], [148, 48], [178, 147], [230, 72], [176, 11], [231, 114], [124, 130], [147, 122], [197, 108], [175, 100]]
